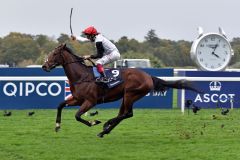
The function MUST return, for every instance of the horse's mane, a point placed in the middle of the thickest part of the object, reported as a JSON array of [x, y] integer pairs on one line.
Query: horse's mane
[[72, 53], [78, 58]]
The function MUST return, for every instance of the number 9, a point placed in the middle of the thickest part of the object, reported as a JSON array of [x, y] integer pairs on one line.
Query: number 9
[[115, 73]]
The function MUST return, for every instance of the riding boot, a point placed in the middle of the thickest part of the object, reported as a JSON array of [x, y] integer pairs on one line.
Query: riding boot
[[103, 77]]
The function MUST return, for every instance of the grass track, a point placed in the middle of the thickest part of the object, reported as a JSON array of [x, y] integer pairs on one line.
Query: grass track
[[150, 134]]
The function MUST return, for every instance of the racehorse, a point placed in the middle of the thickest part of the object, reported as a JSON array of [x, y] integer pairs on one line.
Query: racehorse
[[86, 93]]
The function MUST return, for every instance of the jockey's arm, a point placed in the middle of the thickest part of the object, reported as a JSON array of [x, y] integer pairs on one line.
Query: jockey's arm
[[100, 51], [79, 38]]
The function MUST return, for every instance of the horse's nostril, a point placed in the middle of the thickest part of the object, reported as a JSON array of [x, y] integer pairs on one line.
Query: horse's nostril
[[44, 68]]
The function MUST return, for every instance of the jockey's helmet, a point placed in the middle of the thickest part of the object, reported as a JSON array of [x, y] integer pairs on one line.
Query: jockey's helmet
[[90, 31]]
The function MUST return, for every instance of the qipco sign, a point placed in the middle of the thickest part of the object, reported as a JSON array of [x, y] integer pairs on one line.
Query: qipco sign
[[31, 94], [28, 88]]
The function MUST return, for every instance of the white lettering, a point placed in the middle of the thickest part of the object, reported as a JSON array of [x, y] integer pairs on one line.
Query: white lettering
[[207, 98], [21, 89], [38, 89], [28, 88], [115, 73], [198, 98], [157, 93], [215, 98], [223, 98], [231, 96], [12, 92], [50, 89]]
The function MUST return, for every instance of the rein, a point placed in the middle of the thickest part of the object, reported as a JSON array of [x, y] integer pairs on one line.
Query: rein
[[76, 61], [79, 60], [66, 63]]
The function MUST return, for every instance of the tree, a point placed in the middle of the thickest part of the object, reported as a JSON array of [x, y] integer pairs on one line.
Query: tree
[[64, 38], [41, 40], [152, 38], [236, 48], [17, 47]]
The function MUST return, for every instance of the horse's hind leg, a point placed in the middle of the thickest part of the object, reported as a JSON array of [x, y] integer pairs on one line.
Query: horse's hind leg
[[69, 102], [121, 115], [125, 112], [83, 109], [112, 123]]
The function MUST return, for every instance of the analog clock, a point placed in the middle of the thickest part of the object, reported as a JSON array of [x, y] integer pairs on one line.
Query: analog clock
[[212, 51]]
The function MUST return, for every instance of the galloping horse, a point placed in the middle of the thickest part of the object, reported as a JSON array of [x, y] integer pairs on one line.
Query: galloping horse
[[87, 93]]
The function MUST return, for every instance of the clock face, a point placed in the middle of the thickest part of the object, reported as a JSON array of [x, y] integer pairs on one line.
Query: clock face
[[213, 52]]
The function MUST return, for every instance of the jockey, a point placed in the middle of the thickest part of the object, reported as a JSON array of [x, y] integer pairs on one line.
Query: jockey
[[107, 52]]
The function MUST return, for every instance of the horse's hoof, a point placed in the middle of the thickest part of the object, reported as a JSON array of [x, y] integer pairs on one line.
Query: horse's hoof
[[57, 129], [95, 122], [100, 135]]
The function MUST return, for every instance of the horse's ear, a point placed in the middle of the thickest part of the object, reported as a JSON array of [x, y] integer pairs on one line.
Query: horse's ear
[[64, 45]]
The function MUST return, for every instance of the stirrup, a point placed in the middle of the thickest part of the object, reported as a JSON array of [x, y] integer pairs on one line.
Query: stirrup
[[103, 79]]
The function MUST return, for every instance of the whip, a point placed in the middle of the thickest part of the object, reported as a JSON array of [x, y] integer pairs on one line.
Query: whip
[[71, 21]]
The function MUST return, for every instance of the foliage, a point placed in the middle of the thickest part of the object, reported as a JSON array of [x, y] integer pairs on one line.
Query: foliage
[[236, 48], [151, 134], [63, 38], [17, 49], [152, 38]]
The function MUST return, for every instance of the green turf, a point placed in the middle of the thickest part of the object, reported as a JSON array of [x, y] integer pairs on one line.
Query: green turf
[[150, 134]]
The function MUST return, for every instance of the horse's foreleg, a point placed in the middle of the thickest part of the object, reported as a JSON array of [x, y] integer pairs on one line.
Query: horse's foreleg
[[59, 115], [69, 102], [83, 109]]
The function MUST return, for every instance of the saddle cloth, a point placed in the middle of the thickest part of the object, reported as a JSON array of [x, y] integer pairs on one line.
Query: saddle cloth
[[113, 74]]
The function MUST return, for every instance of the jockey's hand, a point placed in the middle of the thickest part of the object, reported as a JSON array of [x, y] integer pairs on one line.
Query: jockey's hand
[[73, 37], [87, 57]]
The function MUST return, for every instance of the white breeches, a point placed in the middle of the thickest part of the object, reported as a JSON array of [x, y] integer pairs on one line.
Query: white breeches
[[109, 58]]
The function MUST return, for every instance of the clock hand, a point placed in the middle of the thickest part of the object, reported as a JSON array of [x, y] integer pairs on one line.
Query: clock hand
[[215, 55], [213, 52], [215, 47]]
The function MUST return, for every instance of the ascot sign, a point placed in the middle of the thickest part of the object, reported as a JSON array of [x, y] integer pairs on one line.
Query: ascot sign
[[215, 93], [217, 96]]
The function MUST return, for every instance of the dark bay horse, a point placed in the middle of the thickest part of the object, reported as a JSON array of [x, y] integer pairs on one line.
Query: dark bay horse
[[86, 93]]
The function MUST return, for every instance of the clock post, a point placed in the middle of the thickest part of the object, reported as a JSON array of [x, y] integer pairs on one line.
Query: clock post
[[211, 51]]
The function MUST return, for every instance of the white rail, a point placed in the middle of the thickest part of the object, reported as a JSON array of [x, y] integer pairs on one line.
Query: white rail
[[33, 78]]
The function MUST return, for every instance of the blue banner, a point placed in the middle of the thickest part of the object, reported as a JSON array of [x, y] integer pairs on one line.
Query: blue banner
[[48, 93], [217, 93], [31, 94]]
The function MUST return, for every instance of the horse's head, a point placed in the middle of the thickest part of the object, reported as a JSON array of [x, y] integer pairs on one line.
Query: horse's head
[[54, 59]]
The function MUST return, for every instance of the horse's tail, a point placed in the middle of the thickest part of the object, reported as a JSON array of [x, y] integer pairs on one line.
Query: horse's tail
[[162, 85]]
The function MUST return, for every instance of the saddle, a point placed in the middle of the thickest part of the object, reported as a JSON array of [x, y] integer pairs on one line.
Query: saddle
[[113, 74]]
